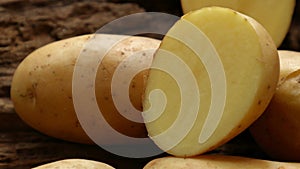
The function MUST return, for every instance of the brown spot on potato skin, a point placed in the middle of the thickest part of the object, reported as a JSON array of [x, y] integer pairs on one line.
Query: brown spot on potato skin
[[298, 80], [259, 102], [73, 62], [65, 44], [77, 124], [30, 92], [34, 86], [281, 167]]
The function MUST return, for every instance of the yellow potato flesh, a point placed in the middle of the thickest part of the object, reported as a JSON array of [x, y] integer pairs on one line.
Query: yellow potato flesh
[[250, 61], [217, 161], [42, 87], [274, 15]]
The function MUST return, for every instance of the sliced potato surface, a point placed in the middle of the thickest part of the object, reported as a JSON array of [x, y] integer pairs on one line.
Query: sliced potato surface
[[213, 75]]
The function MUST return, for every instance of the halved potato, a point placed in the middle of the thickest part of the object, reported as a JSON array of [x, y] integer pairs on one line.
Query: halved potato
[[213, 75]]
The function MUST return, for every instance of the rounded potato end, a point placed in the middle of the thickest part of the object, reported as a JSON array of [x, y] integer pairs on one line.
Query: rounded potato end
[[75, 164]]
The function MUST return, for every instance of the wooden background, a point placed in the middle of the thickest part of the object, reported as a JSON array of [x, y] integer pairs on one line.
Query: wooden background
[[26, 25]]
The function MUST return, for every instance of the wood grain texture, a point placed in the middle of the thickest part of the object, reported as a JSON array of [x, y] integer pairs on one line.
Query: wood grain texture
[[21, 147]]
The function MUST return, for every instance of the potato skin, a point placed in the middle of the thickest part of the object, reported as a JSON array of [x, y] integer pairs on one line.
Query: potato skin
[[277, 130], [75, 164], [41, 89], [217, 162], [289, 62]]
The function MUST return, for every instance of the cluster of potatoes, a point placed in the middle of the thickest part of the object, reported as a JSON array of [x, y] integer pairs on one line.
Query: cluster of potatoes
[[42, 87]]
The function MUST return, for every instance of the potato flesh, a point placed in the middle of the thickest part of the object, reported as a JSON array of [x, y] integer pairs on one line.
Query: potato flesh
[[217, 161], [250, 61], [274, 15]]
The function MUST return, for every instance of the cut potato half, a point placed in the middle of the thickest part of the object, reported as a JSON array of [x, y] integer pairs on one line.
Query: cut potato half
[[213, 75], [274, 15]]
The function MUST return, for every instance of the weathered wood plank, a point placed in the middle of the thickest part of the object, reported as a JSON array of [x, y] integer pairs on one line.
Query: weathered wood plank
[[23, 147], [28, 25], [30, 148]]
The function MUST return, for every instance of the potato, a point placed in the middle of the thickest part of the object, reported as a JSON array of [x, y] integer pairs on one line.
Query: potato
[[289, 62], [41, 89], [75, 164], [274, 15], [217, 162], [213, 75], [277, 130]]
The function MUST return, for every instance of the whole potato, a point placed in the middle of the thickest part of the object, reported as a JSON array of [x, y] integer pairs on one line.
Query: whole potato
[[277, 130], [217, 162], [41, 89], [75, 164]]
